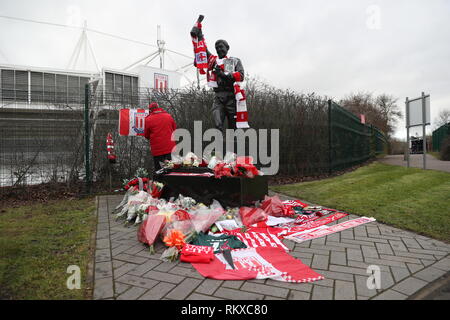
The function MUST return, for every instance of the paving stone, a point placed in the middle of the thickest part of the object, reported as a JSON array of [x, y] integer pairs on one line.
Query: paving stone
[[346, 269], [265, 289], [288, 243], [401, 259], [443, 264], [344, 290], [298, 295], [364, 265], [334, 237], [135, 249], [337, 275], [102, 255], [120, 288], [304, 244], [433, 244], [369, 252], [306, 261], [386, 280], [352, 244], [360, 231], [132, 294], [301, 255], [103, 288], [320, 262], [322, 293], [354, 254], [123, 269], [233, 284], [384, 248], [361, 286], [400, 273], [130, 258], [145, 267], [185, 288], [237, 294], [192, 273], [390, 295], [372, 240], [318, 241], [338, 258], [371, 230], [430, 274], [137, 281], [103, 270], [120, 249], [197, 296], [347, 234], [102, 226], [208, 286], [158, 291], [398, 245], [163, 276], [385, 262], [413, 267], [328, 247], [385, 236], [409, 286], [313, 251], [324, 282], [415, 255], [165, 266], [117, 263], [426, 263], [102, 243], [411, 243], [307, 287], [272, 298]]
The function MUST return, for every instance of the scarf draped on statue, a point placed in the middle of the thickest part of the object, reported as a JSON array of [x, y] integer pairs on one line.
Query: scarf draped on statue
[[202, 62]]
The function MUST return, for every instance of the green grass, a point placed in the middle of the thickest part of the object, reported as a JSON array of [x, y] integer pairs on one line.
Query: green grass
[[437, 155], [39, 242], [407, 198]]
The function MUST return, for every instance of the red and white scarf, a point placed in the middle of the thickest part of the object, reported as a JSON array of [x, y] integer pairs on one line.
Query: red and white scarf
[[201, 57]]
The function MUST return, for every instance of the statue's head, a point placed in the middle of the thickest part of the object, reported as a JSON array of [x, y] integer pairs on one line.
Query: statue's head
[[222, 48]]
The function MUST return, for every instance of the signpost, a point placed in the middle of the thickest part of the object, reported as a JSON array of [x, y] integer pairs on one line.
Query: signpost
[[417, 114]]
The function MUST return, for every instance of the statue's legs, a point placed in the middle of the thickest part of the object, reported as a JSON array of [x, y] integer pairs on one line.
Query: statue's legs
[[224, 105]]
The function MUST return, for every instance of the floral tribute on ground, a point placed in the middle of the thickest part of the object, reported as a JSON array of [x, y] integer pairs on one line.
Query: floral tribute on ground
[[227, 243]]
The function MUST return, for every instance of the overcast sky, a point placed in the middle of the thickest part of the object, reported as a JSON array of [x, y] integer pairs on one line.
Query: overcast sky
[[329, 47]]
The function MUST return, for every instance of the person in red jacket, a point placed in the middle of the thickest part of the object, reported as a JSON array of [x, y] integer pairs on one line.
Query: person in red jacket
[[159, 127]]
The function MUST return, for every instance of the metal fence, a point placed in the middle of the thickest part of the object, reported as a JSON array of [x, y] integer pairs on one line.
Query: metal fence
[[439, 135], [43, 141]]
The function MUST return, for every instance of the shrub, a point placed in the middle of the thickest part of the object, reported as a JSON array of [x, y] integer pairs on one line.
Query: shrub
[[445, 149]]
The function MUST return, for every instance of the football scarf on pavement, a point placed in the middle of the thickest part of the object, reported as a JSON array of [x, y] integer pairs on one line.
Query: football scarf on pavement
[[258, 263], [254, 239], [323, 230]]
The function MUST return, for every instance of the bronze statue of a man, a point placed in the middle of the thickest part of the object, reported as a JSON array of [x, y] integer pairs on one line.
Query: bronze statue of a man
[[226, 71]]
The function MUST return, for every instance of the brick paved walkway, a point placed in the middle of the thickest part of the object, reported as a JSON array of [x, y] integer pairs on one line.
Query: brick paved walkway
[[124, 269]]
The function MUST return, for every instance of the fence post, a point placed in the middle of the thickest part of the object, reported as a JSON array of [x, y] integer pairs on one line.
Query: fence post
[[330, 167], [87, 139]]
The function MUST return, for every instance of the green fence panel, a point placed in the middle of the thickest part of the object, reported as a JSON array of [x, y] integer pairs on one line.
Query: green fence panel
[[439, 135]]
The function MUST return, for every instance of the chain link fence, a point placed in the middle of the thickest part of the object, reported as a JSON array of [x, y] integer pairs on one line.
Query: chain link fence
[[50, 138]]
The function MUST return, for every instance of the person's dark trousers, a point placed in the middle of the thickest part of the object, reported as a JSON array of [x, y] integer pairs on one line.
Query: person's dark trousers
[[161, 158]]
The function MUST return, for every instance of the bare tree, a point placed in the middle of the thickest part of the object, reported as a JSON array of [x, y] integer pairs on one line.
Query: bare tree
[[442, 118]]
